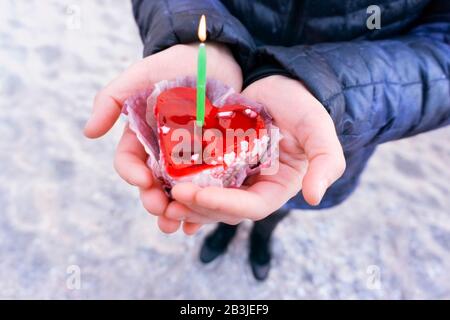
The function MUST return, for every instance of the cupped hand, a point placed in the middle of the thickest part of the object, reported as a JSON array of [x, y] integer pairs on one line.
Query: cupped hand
[[130, 160], [310, 160]]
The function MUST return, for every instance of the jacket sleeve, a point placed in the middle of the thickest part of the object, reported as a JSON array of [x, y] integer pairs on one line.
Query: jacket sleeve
[[164, 23], [376, 91]]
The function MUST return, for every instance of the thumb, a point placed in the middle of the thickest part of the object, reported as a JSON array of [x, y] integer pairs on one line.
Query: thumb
[[105, 113], [108, 102], [326, 161]]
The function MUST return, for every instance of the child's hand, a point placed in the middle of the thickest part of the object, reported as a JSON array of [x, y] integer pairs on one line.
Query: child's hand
[[177, 61], [311, 159]]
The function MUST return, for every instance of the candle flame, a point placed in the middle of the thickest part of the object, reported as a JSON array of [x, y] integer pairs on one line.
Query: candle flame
[[202, 29]]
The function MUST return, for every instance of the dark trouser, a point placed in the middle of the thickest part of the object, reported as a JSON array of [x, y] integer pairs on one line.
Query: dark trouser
[[265, 227], [262, 228]]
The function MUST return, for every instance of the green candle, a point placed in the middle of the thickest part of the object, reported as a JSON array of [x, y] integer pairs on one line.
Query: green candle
[[201, 73]]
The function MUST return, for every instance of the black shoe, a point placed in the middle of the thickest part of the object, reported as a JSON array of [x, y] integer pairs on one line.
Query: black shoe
[[217, 242], [260, 256]]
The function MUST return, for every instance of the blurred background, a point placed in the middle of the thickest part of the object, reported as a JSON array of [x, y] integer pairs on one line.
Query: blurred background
[[64, 213]]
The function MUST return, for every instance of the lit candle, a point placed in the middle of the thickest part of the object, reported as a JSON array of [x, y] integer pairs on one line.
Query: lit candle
[[201, 72]]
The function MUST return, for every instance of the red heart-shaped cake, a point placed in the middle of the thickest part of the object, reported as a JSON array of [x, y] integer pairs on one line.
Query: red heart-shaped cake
[[227, 132], [237, 139]]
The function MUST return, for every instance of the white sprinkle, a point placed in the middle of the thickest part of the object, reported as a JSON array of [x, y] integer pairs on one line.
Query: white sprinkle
[[195, 157], [220, 158], [250, 113], [228, 158], [265, 139], [244, 145], [256, 147], [262, 148], [165, 129], [214, 162], [225, 114]]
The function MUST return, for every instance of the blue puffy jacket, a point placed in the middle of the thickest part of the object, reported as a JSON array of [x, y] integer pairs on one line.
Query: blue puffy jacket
[[377, 84]]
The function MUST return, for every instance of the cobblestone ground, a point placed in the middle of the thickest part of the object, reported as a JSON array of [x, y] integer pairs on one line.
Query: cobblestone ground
[[61, 203]]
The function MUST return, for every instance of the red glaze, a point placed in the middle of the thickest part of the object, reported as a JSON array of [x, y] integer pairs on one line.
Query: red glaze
[[176, 109]]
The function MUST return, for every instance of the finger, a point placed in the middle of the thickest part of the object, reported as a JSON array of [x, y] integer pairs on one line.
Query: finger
[[222, 204], [108, 101], [154, 200], [326, 162], [185, 193], [105, 113], [167, 225], [180, 212], [229, 202], [191, 228], [130, 160], [323, 171]]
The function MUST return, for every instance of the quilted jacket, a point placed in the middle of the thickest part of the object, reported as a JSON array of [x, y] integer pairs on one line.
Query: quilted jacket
[[378, 84]]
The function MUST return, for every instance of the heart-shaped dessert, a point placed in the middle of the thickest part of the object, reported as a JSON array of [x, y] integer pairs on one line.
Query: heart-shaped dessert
[[236, 140], [228, 132]]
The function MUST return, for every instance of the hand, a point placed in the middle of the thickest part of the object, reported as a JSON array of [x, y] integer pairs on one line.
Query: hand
[[311, 159], [177, 61]]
